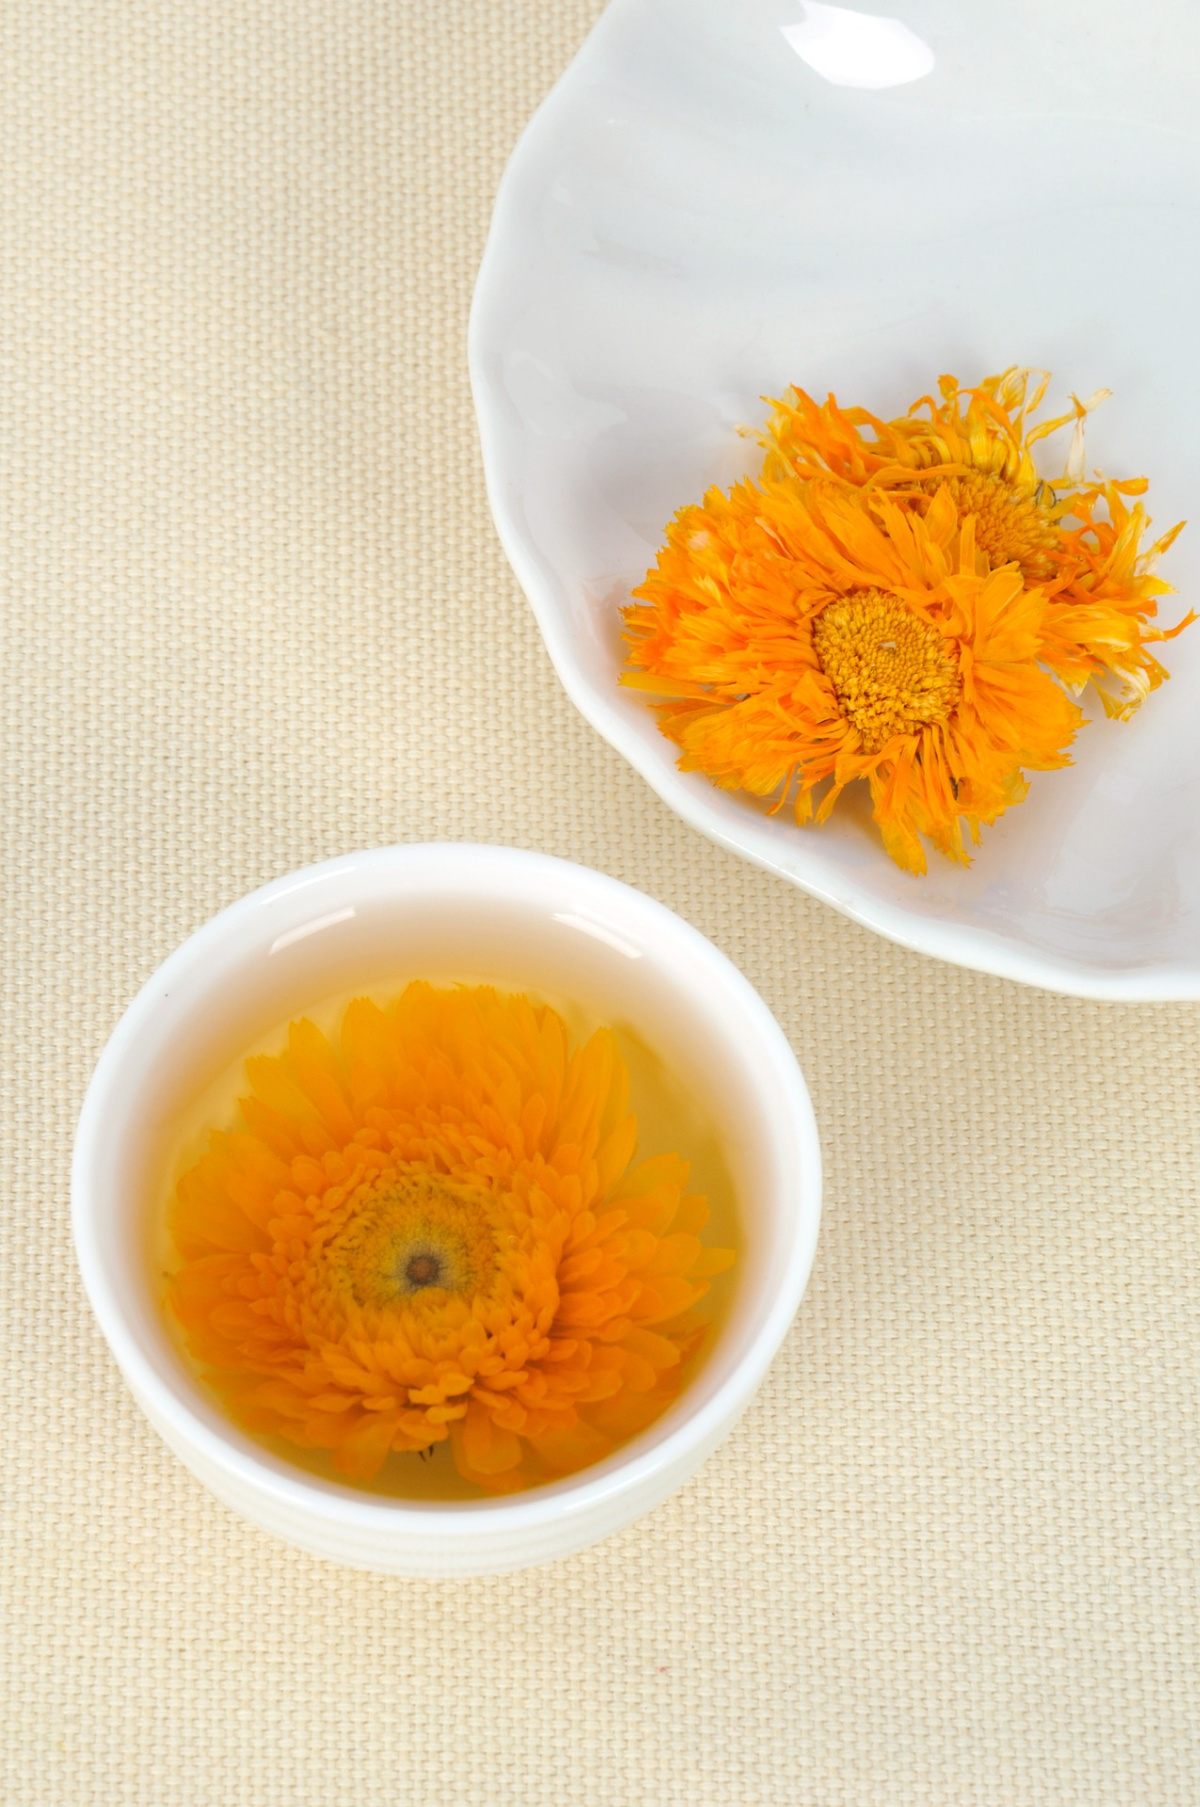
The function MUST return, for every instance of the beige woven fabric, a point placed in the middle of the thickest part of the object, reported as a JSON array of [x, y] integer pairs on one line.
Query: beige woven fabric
[[255, 614]]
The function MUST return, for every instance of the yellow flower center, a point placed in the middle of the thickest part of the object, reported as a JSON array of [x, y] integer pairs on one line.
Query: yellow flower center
[[414, 1234], [1010, 525], [892, 673]]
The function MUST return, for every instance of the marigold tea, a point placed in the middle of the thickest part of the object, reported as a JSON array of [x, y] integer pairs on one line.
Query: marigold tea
[[455, 1224]]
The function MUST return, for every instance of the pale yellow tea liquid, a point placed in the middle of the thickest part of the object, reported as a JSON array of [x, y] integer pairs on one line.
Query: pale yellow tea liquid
[[669, 1118]]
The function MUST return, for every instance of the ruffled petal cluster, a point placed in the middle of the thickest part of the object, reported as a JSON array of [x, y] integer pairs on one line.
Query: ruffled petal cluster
[[901, 602], [431, 1227], [1080, 539]]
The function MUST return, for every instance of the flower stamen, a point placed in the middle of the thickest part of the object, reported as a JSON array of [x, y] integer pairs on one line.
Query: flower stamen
[[892, 673], [409, 1234], [1011, 525]]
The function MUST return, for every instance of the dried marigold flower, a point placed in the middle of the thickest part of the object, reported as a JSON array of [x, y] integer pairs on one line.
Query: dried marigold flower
[[1077, 538], [901, 602], [804, 634]]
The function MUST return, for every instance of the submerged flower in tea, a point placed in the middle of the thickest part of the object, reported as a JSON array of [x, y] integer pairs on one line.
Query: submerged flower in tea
[[905, 602], [431, 1228]]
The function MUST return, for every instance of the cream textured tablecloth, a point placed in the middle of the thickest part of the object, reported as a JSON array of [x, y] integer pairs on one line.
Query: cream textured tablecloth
[[255, 614]]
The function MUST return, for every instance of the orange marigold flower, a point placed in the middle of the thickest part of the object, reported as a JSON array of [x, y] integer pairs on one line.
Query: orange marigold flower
[[429, 1229], [805, 632], [1079, 539]]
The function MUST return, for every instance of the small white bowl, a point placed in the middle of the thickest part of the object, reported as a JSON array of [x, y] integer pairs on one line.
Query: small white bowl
[[488, 913]]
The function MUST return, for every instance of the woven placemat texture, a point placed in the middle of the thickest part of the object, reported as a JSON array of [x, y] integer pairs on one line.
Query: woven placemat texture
[[255, 614]]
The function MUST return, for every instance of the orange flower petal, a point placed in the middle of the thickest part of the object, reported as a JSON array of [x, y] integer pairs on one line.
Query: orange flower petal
[[466, 1262]]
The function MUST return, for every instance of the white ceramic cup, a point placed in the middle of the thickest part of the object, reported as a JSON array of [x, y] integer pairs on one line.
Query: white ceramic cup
[[518, 919]]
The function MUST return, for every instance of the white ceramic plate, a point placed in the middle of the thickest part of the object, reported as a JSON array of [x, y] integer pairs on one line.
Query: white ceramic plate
[[725, 196]]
